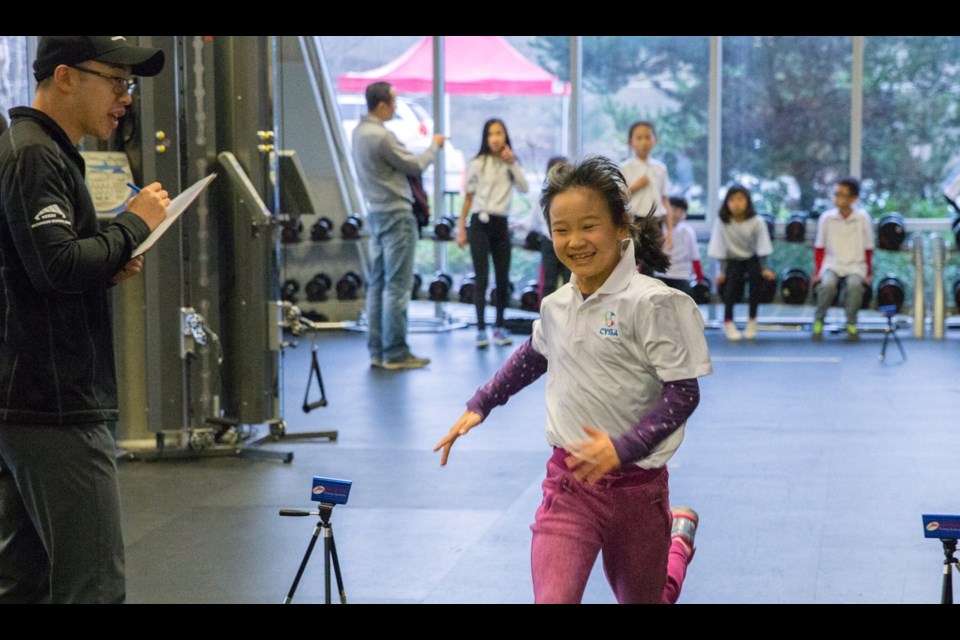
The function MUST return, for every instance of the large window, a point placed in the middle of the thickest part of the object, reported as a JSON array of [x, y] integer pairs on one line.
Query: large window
[[786, 119], [663, 80], [15, 73], [911, 122]]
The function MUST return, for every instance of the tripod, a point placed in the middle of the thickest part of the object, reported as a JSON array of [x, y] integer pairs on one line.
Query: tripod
[[890, 330], [329, 551], [949, 548]]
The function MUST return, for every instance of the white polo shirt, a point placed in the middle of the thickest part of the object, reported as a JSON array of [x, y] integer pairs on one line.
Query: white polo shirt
[[658, 187], [609, 355], [845, 242], [683, 253]]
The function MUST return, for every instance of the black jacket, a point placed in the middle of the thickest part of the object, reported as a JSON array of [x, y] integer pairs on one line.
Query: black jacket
[[56, 340]]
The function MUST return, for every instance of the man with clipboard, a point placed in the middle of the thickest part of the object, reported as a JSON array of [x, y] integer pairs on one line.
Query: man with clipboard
[[60, 534]]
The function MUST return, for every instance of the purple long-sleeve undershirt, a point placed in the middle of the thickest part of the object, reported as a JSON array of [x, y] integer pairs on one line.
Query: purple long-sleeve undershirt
[[678, 399], [522, 367]]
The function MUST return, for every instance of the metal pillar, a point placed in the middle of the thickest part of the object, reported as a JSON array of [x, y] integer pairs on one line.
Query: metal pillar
[[919, 312], [939, 304]]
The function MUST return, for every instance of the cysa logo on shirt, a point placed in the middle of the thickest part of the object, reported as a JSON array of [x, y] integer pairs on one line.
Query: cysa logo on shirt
[[609, 327]]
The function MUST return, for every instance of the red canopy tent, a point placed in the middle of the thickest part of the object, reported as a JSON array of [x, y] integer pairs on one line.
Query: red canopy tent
[[473, 65]]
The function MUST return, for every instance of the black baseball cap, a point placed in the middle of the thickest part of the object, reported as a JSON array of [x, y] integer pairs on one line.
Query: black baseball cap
[[70, 50]]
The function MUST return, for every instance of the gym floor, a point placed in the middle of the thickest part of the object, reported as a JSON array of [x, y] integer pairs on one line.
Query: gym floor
[[810, 466]]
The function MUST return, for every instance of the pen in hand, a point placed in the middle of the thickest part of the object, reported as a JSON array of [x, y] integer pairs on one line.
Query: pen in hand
[[135, 188]]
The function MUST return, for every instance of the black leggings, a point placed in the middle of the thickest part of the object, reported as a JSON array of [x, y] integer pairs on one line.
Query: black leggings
[[490, 239], [739, 271]]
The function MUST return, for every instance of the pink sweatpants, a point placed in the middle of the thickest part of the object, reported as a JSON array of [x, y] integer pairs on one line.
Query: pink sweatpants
[[626, 515]]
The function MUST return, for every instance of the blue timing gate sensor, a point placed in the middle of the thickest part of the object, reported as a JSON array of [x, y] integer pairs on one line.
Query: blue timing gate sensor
[[937, 525], [330, 490]]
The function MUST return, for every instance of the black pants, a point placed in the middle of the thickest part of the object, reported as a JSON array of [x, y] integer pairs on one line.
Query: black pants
[[490, 239], [738, 272]]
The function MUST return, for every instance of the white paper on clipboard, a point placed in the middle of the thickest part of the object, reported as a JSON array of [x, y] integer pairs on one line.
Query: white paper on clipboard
[[177, 206]]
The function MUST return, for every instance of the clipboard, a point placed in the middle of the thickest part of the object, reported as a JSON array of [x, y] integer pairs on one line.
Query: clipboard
[[177, 206]]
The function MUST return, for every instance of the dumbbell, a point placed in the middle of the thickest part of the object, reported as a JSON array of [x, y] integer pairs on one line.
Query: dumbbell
[[771, 224], [891, 231], [321, 230], [289, 290], [314, 316], [796, 229], [794, 286], [700, 290], [890, 292], [768, 290], [530, 296], [439, 289], [468, 288], [495, 294], [532, 241], [417, 283], [350, 229], [290, 231], [445, 228], [348, 286], [317, 288]]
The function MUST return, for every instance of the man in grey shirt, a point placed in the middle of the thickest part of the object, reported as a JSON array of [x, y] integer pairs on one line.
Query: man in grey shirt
[[383, 164]]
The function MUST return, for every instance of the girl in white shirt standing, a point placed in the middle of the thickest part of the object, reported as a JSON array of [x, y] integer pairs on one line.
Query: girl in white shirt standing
[[490, 180], [741, 242]]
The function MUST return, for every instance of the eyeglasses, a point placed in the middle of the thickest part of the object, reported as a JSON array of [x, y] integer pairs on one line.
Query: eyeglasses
[[119, 84]]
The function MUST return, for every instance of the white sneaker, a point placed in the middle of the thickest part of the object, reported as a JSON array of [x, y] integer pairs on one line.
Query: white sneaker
[[731, 330], [501, 337], [751, 331]]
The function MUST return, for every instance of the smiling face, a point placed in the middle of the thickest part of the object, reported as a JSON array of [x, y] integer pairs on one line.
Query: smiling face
[[585, 238]]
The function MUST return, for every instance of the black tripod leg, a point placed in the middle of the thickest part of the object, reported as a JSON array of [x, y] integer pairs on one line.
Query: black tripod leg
[[314, 370], [336, 569], [303, 564], [900, 346]]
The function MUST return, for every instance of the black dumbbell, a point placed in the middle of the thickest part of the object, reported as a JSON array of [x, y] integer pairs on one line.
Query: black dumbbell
[[321, 230], [771, 224], [317, 288], [890, 291], [439, 289], [290, 231], [314, 316], [445, 228], [794, 286], [289, 290], [417, 283], [348, 286], [530, 296], [700, 290], [468, 288], [350, 229], [532, 241], [768, 290], [796, 230], [891, 231]]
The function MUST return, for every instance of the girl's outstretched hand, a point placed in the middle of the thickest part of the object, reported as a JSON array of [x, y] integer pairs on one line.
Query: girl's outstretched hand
[[591, 459], [467, 421]]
